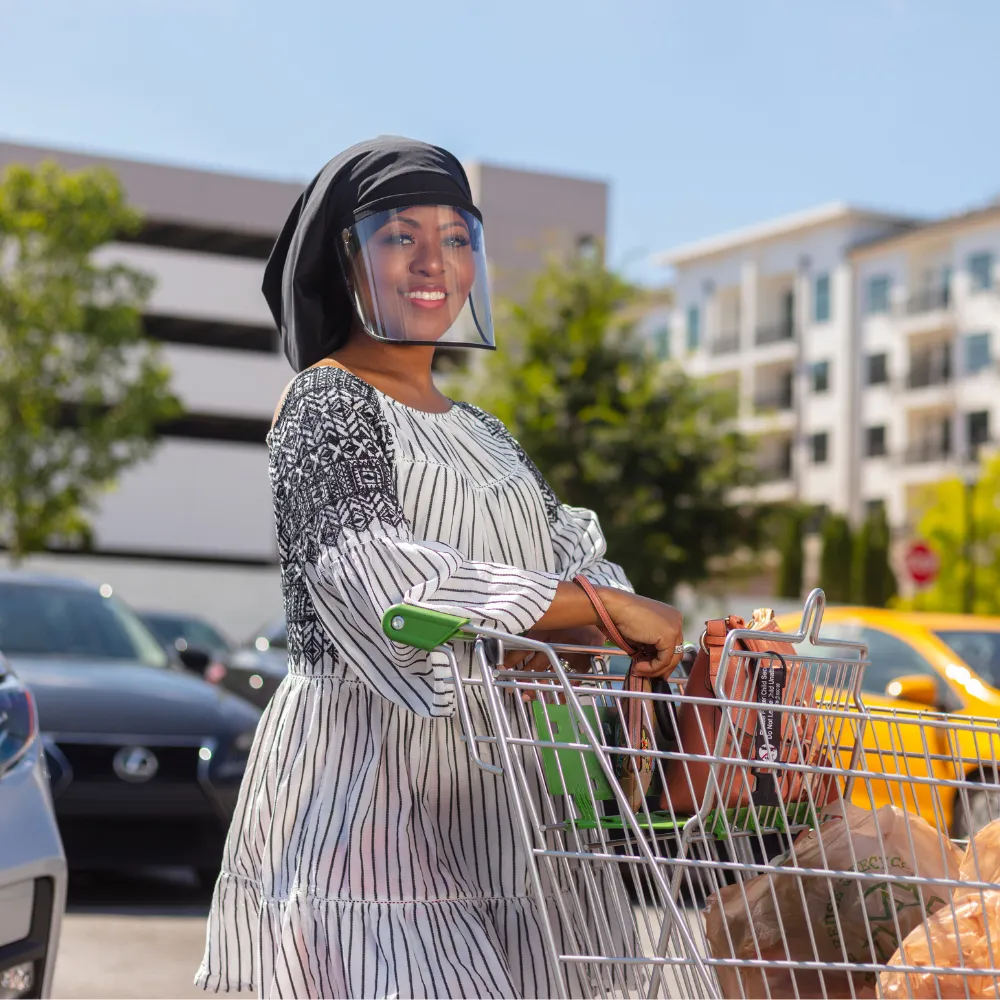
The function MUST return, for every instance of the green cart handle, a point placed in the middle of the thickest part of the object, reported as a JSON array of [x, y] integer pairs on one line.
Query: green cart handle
[[421, 627]]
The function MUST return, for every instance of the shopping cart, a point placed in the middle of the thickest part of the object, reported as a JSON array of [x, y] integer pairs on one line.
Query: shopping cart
[[794, 908]]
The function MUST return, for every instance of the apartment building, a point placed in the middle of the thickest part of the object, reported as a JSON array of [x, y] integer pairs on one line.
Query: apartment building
[[927, 312], [192, 529], [862, 347], [768, 312]]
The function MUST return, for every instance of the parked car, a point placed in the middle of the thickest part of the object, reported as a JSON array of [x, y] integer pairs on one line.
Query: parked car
[[187, 632], [144, 758], [255, 670], [271, 641], [945, 664], [32, 865]]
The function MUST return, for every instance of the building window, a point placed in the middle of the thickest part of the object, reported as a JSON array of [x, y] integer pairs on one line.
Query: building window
[[944, 435], [820, 372], [693, 329], [821, 299], [977, 352], [875, 441], [981, 271], [819, 446], [878, 369], [661, 342], [977, 426], [878, 294]]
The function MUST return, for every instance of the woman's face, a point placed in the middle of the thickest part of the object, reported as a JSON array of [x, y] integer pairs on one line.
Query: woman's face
[[421, 268]]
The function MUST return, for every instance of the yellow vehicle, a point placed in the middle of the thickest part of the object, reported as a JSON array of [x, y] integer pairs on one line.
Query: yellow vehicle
[[937, 666]]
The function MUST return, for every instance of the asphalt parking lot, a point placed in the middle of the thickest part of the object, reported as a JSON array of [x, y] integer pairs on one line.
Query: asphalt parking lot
[[135, 936]]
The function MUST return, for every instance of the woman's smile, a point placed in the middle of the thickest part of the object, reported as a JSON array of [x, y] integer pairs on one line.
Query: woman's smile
[[428, 297]]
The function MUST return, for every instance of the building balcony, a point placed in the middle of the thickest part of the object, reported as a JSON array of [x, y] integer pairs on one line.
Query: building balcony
[[774, 333], [927, 373], [773, 399], [927, 300], [928, 450], [725, 343], [774, 470]]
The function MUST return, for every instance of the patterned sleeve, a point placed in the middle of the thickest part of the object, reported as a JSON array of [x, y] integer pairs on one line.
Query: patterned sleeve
[[580, 546], [577, 540], [334, 477]]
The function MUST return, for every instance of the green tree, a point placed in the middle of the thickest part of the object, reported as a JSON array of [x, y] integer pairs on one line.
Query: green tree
[[835, 559], [651, 450], [943, 523], [81, 389], [790, 569], [873, 581]]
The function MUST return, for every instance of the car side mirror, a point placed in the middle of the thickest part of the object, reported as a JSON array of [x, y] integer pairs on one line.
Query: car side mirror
[[195, 660], [918, 688]]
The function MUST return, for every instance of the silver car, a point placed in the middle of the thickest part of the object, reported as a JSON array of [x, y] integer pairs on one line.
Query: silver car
[[32, 865]]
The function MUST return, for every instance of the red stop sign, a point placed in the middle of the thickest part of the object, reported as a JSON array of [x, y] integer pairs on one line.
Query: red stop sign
[[921, 563]]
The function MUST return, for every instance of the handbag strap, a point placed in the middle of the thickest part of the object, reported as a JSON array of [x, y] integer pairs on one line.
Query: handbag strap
[[607, 626], [632, 681]]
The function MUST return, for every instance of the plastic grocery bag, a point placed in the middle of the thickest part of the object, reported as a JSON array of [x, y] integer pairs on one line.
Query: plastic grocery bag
[[982, 857], [963, 935], [823, 918]]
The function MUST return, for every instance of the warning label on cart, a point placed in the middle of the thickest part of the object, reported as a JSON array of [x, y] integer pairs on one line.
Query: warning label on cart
[[770, 692]]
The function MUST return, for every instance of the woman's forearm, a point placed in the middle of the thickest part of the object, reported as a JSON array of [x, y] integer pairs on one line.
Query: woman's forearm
[[571, 607]]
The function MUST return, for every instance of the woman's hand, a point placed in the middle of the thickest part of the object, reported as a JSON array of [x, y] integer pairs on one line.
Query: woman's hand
[[655, 629], [578, 663]]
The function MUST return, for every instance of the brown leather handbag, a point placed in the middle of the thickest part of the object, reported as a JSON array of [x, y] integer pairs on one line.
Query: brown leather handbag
[[774, 679]]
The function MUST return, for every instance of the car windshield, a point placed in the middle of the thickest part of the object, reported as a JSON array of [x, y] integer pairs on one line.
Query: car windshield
[[848, 630], [41, 620], [196, 633], [979, 649], [889, 656]]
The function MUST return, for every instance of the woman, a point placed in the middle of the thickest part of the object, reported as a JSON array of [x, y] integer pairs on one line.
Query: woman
[[366, 857]]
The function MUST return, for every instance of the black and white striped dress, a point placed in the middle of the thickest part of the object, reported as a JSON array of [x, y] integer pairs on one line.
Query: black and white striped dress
[[367, 856]]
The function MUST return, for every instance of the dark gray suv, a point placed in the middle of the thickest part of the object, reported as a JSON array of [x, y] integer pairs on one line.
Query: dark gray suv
[[145, 758]]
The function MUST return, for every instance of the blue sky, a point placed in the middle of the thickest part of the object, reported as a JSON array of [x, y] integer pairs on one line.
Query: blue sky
[[703, 115]]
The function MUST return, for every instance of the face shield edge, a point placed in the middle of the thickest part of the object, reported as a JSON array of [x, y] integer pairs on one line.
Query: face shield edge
[[394, 263]]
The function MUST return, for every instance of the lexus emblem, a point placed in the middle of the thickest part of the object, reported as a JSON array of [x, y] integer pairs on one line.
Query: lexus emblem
[[135, 764]]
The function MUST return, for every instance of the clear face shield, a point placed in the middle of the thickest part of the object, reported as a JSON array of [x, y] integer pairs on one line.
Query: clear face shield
[[417, 275]]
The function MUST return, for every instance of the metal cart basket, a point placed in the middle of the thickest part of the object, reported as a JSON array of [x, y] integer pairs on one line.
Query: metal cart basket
[[758, 893]]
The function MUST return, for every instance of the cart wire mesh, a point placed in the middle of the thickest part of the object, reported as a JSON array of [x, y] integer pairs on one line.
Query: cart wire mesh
[[822, 841]]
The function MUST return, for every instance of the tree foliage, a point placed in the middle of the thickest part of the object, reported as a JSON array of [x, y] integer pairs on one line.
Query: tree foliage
[[873, 581], [790, 549], [943, 523], [835, 559], [654, 452], [81, 390]]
